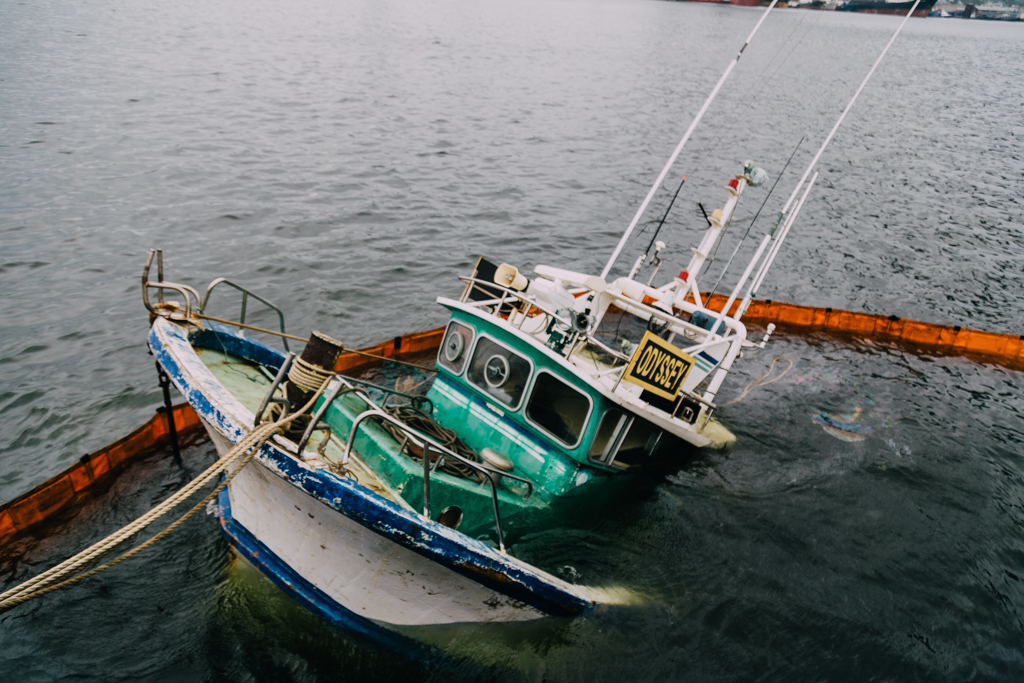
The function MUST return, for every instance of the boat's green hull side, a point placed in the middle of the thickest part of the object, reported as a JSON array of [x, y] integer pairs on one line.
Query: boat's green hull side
[[483, 423], [379, 451]]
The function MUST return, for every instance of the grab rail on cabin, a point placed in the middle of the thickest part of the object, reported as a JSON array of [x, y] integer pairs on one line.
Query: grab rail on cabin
[[425, 442], [416, 401], [625, 303], [490, 474], [711, 338], [345, 385], [487, 288], [246, 293]]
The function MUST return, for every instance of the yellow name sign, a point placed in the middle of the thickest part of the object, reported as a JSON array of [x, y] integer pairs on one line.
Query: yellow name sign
[[658, 367]]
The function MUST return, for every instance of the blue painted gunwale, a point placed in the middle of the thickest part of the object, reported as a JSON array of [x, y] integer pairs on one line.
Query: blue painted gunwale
[[173, 348]]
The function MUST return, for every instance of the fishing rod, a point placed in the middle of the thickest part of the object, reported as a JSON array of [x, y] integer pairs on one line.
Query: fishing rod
[[785, 219], [643, 257], [679, 147]]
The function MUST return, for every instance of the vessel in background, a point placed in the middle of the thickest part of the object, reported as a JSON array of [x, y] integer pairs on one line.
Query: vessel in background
[[923, 7]]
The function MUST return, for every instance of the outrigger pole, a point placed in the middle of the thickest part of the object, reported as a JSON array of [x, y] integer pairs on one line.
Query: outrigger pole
[[679, 147], [785, 219]]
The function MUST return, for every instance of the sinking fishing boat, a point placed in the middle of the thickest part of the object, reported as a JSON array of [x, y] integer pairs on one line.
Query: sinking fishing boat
[[378, 509], [385, 507]]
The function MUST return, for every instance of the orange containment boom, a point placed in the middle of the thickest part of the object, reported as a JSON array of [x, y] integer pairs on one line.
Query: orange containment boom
[[942, 340], [398, 348], [74, 484]]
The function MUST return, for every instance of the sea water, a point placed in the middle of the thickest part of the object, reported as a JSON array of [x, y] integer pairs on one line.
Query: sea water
[[349, 159]]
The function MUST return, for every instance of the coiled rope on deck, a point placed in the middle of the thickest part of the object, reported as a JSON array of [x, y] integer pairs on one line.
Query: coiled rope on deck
[[307, 376], [420, 421], [55, 577]]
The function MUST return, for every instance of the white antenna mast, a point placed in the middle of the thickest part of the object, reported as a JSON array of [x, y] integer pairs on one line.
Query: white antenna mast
[[679, 147], [785, 221]]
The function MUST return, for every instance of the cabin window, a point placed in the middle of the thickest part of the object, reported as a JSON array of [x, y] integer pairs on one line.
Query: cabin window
[[623, 440], [455, 347], [499, 372], [558, 408], [640, 442], [614, 424]]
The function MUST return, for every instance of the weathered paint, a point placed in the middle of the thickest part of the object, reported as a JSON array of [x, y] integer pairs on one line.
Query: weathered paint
[[543, 359], [365, 572], [480, 425], [381, 453], [600, 391], [301, 590], [473, 559]]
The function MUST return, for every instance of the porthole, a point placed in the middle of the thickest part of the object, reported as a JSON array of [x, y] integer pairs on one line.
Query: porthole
[[452, 354], [454, 347], [496, 371]]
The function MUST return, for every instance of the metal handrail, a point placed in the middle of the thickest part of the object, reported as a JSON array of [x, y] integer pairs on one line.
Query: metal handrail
[[186, 292], [246, 293], [425, 442], [710, 337], [314, 424], [415, 435], [388, 393], [346, 384], [607, 349], [471, 281], [269, 398]]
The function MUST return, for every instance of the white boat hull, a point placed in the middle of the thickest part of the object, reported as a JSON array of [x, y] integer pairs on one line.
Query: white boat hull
[[359, 569]]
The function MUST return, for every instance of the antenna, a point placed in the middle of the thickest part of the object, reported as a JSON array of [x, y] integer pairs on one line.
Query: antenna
[[679, 147], [785, 220]]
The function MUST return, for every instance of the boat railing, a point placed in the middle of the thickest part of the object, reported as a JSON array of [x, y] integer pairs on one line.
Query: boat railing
[[498, 303], [163, 308], [348, 385], [710, 338], [620, 360], [418, 402], [246, 293], [491, 475]]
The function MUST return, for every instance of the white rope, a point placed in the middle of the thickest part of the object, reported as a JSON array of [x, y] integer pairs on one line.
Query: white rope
[[760, 381], [13, 602], [252, 441], [307, 376]]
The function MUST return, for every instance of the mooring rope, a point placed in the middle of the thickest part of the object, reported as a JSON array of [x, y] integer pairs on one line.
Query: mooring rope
[[422, 422], [307, 376], [760, 381], [54, 578], [13, 602]]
